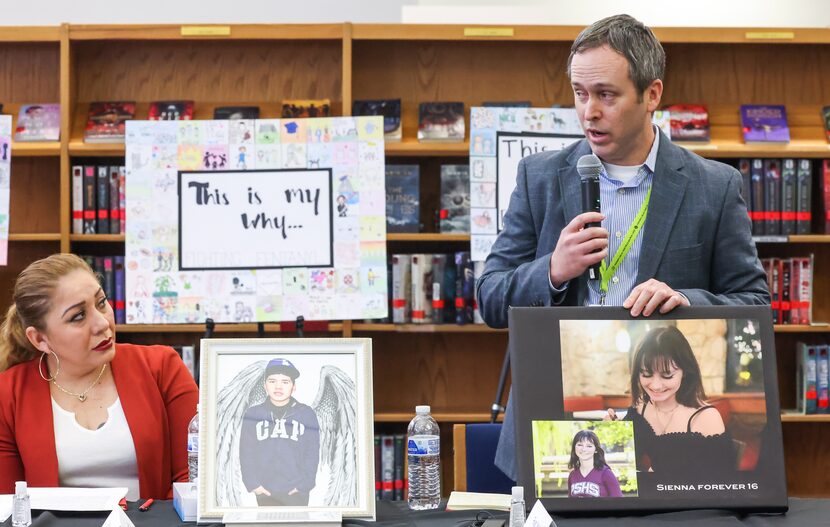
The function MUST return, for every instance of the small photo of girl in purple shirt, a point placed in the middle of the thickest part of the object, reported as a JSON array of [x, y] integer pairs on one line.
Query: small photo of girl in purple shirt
[[590, 477]]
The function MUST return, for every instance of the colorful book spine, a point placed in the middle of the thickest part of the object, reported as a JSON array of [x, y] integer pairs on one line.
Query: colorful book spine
[[439, 300], [387, 467], [401, 288], [109, 281], [804, 185], [114, 201], [758, 202], [400, 448], [822, 370], [805, 293], [806, 396], [77, 199], [378, 474], [826, 187], [788, 196], [103, 197], [464, 285], [421, 289], [120, 289], [122, 197], [785, 310], [90, 225], [772, 196]]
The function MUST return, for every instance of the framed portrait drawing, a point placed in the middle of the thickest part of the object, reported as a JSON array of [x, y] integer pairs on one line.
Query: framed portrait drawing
[[676, 411], [286, 425]]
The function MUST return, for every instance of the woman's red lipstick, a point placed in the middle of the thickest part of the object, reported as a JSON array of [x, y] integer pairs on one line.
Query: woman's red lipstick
[[103, 345]]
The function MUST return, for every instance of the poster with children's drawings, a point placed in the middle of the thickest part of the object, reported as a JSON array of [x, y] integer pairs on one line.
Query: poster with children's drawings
[[5, 184], [255, 220], [499, 139]]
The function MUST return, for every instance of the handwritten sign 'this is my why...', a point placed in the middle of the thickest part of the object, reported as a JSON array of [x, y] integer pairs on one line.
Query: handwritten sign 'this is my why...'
[[255, 219]]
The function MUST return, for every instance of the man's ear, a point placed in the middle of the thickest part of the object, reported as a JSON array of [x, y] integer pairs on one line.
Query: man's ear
[[37, 339], [653, 95]]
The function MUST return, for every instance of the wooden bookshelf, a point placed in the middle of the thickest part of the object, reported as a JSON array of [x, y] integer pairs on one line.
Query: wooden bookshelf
[[261, 64]]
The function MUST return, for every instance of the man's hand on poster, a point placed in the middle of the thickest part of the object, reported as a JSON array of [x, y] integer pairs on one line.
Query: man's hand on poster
[[650, 295], [261, 490]]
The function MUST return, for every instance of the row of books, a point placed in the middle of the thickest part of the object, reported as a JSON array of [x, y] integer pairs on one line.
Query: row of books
[[813, 378], [790, 283], [433, 288], [403, 199], [778, 194], [106, 119], [98, 199], [390, 470], [110, 271]]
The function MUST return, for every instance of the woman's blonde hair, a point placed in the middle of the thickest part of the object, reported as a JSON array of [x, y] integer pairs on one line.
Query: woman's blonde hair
[[31, 300]]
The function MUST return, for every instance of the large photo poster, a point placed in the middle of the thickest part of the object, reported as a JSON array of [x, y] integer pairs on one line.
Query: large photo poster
[[255, 220], [696, 391]]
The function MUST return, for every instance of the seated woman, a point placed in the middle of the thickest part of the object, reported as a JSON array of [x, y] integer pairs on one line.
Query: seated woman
[[77, 409], [675, 432]]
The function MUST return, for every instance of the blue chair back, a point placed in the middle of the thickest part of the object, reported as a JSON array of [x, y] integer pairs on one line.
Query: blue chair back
[[482, 474]]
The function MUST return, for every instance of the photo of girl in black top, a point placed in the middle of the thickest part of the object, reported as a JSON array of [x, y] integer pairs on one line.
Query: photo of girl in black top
[[675, 431]]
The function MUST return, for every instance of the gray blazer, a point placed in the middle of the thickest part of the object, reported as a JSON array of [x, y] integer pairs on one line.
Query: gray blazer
[[696, 239]]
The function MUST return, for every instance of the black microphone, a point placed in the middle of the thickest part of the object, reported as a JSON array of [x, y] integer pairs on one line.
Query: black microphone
[[589, 168]]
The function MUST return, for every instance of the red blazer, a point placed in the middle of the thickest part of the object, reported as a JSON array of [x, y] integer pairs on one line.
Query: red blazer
[[159, 398]]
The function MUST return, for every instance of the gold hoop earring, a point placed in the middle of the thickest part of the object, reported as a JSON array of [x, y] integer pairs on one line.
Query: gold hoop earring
[[40, 367]]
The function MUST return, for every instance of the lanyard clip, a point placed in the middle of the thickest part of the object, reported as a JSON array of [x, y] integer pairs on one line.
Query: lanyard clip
[[602, 299]]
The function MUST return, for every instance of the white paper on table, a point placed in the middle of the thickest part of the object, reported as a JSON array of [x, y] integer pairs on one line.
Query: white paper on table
[[76, 498], [118, 518], [539, 517], [5, 507]]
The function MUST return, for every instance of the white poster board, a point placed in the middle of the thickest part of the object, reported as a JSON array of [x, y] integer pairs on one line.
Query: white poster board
[[262, 219], [318, 251], [499, 139], [5, 184]]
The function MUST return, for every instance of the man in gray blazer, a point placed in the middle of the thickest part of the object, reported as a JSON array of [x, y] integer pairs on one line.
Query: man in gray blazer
[[695, 246]]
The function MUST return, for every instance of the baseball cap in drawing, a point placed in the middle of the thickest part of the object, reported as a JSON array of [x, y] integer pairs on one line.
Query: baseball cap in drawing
[[283, 366]]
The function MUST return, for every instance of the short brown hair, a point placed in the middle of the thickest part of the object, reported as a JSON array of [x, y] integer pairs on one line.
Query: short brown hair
[[630, 38]]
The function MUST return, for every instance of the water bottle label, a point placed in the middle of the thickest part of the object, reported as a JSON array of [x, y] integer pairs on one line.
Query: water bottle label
[[423, 445], [193, 443]]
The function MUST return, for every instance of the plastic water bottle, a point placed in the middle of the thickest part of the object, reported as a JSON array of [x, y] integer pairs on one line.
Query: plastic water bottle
[[193, 447], [424, 457], [21, 507], [517, 507]]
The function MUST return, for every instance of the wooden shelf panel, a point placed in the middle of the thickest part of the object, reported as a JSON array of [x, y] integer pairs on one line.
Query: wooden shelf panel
[[426, 237], [568, 33], [441, 417], [270, 327], [800, 418], [236, 32], [30, 34], [483, 417], [36, 149], [35, 237], [98, 238], [795, 238], [426, 328], [786, 328]]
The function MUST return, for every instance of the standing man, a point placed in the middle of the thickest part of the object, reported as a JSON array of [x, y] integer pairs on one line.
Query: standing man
[[279, 448], [695, 245]]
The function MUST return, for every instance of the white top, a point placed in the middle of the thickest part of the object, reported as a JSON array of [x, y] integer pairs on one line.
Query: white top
[[96, 458]]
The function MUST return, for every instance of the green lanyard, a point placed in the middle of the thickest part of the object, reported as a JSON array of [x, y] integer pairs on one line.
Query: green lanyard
[[605, 271]]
